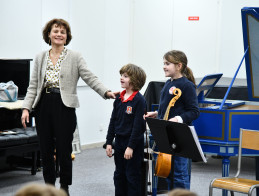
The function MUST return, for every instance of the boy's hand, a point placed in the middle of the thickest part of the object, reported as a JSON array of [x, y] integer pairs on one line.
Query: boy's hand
[[128, 153], [109, 150]]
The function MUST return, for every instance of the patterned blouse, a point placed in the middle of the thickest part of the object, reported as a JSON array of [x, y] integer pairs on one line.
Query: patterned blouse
[[52, 71]]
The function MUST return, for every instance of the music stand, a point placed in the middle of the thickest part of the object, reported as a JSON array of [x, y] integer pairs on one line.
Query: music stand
[[176, 139]]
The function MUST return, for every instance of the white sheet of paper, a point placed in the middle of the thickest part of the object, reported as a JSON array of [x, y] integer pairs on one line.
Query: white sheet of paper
[[194, 134]]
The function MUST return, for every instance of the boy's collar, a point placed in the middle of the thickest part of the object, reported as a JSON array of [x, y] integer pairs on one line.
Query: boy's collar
[[130, 98]]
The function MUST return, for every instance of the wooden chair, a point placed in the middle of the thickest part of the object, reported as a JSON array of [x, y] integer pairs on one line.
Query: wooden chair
[[248, 139]]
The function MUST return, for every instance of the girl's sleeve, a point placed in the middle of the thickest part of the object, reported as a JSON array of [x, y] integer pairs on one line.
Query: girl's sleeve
[[191, 107]]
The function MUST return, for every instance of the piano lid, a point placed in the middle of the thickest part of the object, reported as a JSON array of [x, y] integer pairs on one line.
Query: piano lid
[[250, 24]]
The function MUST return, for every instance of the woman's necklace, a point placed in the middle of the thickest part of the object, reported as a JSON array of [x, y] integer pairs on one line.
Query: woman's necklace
[[54, 57]]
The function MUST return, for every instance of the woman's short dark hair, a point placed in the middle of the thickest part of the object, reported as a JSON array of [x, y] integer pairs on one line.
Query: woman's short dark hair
[[136, 74], [59, 23]]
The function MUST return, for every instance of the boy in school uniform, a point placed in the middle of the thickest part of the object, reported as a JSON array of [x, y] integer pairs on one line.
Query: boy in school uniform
[[127, 126]]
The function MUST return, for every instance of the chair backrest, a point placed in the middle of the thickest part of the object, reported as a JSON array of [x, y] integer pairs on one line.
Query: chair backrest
[[250, 139]]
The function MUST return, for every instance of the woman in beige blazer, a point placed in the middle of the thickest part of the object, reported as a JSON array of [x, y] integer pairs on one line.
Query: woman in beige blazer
[[52, 93]]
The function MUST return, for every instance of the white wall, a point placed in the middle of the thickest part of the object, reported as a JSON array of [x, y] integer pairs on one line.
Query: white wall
[[151, 35], [112, 33], [20, 34], [88, 31], [198, 39], [231, 42], [213, 44]]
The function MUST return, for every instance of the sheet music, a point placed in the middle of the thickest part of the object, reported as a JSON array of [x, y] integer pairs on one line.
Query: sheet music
[[196, 139]]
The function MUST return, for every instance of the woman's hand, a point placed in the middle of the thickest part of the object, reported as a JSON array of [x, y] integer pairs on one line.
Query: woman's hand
[[150, 115], [128, 153], [109, 150], [112, 94], [25, 117]]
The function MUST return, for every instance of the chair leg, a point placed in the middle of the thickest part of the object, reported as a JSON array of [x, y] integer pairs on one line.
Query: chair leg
[[34, 165], [251, 191], [210, 190]]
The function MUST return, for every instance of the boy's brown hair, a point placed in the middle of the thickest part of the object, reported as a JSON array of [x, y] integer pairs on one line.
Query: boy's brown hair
[[136, 74]]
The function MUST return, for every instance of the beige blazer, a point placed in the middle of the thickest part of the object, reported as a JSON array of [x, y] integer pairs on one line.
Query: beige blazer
[[72, 67]]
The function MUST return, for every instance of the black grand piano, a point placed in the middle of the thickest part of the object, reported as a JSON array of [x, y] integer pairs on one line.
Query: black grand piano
[[221, 119]]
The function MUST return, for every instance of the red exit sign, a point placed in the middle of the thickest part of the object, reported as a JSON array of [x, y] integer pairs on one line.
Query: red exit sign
[[196, 18]]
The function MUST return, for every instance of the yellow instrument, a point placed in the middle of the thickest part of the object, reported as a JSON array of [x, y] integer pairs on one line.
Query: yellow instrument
[[163, 163], [177, 92]]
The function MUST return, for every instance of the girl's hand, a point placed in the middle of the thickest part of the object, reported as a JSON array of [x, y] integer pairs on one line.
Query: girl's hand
[[25, 117], [173, 119], [128, 153], [150, 115], [109, 150]]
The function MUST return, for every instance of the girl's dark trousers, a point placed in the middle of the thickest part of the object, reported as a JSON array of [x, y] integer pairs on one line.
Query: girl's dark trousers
[[55, 124]]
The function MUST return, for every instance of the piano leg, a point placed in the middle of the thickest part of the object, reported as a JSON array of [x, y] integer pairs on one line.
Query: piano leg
[[257, 173], [225, 171]]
